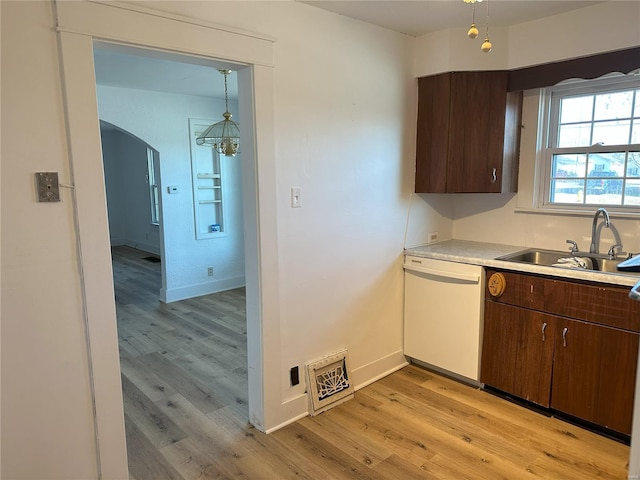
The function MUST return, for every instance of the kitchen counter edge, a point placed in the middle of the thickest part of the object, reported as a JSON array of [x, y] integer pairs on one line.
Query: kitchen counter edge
[[485, 254]]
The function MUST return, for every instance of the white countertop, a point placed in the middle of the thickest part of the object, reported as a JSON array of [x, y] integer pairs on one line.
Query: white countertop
[[485, 254]]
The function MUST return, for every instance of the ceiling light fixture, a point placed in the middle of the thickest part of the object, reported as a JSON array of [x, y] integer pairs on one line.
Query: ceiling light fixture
[[487, 46], [473, 30], [224, 136]]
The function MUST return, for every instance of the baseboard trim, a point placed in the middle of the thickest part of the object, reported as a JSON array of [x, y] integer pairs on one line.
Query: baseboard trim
[[288, 422], [145, 247], [191, 291], [374, 371]]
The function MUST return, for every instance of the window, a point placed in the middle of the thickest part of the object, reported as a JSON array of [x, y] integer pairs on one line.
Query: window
[[592, 149], [152, 167]]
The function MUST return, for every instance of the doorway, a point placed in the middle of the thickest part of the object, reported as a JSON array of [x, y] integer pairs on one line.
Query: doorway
[[190, 355], [131, 175], [168, 32], [165, 101]]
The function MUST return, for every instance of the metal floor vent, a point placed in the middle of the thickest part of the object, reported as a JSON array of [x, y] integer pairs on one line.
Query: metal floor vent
[[329, 382]]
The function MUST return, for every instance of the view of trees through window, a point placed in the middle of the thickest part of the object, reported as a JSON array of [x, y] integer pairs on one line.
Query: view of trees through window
[[594, 149]]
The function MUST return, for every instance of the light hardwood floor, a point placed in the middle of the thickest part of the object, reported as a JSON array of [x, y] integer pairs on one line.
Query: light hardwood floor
[[185, 397]]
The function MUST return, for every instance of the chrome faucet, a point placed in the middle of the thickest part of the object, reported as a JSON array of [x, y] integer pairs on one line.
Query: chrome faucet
[[612, 251], [574, 247], [593, 248]]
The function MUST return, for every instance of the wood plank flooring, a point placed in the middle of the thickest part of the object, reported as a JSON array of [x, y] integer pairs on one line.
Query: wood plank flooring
[[184, 382]]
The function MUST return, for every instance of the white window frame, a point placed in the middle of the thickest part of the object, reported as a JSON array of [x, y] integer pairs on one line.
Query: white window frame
[[154, 189], [547, 131]]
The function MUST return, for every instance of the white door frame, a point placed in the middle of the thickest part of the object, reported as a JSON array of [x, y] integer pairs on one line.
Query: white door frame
[[78, 25]]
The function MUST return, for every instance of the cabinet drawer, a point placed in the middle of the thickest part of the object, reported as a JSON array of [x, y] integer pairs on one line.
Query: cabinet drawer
[[602, 304]]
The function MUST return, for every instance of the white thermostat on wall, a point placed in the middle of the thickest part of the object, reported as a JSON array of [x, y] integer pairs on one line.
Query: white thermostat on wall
[[172, 189]]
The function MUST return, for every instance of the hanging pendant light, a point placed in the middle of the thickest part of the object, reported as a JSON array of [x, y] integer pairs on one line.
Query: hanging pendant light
[[224, 136], [473, 30], [487, 46]]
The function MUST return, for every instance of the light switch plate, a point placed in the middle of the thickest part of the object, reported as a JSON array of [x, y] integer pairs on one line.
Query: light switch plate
[[296, 201], [47, 187]]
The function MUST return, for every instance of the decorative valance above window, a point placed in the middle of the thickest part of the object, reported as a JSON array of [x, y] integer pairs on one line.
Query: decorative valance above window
[[593, 66]]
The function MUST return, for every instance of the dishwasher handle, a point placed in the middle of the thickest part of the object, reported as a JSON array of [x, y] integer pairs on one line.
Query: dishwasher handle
[[462, 277]]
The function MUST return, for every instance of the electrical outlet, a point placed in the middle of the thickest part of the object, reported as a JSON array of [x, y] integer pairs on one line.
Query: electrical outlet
[[433, 237], [294, 376], [47, 187], [210, 271]]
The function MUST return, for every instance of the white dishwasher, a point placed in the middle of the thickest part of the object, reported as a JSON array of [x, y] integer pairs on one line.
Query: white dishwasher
[[443, 308]]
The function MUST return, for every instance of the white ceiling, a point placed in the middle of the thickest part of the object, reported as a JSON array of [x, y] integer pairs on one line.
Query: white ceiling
[[416, 17], [129, 67]]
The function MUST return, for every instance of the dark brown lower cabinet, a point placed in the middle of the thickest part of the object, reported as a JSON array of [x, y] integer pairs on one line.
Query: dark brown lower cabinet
[[594, 373], [581, 368], [517, 352]]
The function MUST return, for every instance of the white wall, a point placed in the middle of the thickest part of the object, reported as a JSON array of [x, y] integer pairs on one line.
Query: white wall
[[113, 180], [47, 418], [607, 26], [162, 121], [344, 131], [128, 199]]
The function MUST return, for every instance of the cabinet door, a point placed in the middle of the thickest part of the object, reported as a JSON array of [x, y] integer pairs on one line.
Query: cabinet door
[[594, 374], [477, 131], [432, 134], [517, 351]]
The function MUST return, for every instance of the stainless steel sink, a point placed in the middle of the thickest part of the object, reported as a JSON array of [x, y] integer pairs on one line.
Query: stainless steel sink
[[608, 265], [536, 256]]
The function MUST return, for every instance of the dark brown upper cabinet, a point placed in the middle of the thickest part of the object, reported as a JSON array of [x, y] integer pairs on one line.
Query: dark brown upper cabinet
[[468, 137]]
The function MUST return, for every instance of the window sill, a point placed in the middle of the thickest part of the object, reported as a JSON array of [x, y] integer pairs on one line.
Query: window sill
[[586, 212]]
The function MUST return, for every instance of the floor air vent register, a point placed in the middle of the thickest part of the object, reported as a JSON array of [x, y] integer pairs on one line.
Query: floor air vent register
[[329, 382]]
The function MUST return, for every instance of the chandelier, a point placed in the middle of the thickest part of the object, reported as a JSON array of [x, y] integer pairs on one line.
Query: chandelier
[[224, 136], [473, 30]]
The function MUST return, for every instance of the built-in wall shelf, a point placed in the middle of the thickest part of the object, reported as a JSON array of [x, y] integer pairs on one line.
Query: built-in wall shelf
[[208, 185]]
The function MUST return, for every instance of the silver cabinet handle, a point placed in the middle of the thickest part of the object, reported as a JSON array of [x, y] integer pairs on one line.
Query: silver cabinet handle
[[494, 176], [564, 336], [544, 327]]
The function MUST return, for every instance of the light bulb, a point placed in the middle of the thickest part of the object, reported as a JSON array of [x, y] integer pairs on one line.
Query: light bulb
[[486, 46], [473, 31]]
